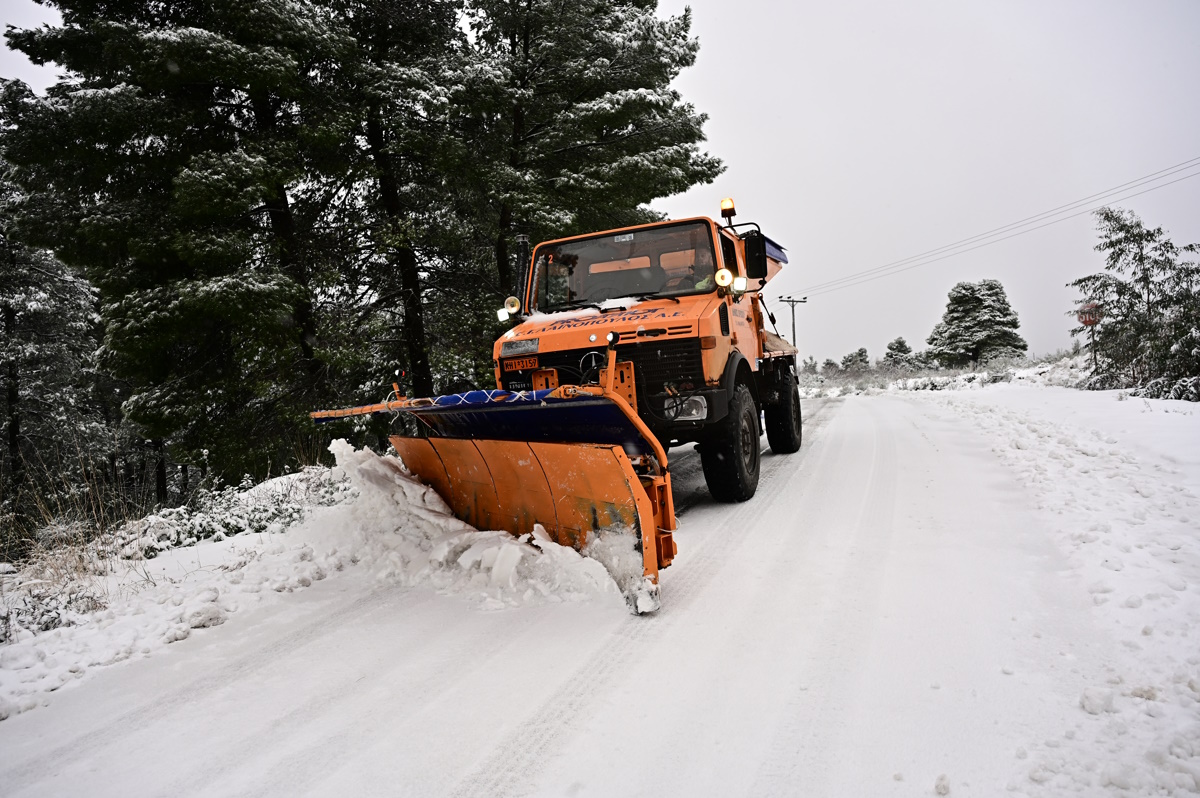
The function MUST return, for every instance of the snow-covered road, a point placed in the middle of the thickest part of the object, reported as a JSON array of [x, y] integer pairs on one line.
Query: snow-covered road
[[897, 612]]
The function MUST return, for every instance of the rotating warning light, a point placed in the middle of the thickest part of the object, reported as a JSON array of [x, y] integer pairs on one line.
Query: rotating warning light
[[724, 277], [727, 209]]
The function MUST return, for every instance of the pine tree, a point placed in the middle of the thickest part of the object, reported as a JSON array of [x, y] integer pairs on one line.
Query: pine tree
[[857, 361], [53, 420], [569, 120], [899, 355], [898, 348], [978, 325], [163, 166], [1150, 301]]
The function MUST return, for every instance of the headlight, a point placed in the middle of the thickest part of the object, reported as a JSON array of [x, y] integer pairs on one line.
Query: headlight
[[740, 284], [724, 277], [521, 346], [693, 408]]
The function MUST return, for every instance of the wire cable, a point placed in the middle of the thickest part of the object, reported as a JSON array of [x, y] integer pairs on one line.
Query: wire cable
[[1013, 229]]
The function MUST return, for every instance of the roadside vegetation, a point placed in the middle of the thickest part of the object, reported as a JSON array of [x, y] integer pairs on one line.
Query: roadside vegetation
[[225, 215]]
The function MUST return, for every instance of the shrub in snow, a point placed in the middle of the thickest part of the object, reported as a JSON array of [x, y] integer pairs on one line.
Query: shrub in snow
[[57, 587], [1186, 389], [272, 506]]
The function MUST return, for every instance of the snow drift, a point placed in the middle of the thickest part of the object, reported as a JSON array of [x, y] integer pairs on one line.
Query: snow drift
[[389, 528]]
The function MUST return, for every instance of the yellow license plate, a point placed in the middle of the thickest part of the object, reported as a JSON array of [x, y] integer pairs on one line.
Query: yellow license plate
[[520, 364]]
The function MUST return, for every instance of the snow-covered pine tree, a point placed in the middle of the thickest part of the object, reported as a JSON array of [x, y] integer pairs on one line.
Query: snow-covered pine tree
[[54, 434], [899, 355], [1149, 294], [979, 325], [897, 349], [391, 84], [161, 164], [569, 119], [857, 361]]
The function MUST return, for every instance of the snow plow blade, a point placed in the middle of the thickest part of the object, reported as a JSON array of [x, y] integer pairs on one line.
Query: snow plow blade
[[576, 460]]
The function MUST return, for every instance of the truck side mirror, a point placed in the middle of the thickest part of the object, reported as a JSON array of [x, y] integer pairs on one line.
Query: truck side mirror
[[756, 255]]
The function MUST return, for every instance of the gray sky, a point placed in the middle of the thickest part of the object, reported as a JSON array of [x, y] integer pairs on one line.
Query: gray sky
[[862, 133]]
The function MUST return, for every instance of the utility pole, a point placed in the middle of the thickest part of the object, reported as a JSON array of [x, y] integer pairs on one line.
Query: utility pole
[[793, 302]]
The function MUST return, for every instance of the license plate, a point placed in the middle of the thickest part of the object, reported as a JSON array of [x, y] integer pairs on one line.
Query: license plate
[[520, 364]]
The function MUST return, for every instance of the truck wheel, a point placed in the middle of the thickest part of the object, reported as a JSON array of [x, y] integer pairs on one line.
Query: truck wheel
[[730, 458], [784, 430]]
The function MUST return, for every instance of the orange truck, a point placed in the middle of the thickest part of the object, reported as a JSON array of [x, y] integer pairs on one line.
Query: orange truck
[[627, 343]]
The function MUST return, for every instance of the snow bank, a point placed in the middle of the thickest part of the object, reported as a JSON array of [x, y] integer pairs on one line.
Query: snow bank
[[1118, 479], [390, 528]]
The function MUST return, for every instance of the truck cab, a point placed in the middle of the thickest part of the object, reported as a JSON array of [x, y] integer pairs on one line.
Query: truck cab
[[680, 303]]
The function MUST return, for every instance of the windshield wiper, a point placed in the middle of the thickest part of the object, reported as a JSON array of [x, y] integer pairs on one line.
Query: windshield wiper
[[659, 296], [575, 303]]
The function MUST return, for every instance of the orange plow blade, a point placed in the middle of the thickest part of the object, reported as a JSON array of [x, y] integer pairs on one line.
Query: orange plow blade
[[573, 490], [576, 460]]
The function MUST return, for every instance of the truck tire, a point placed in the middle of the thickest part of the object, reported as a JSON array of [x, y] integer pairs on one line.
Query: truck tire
[[731, 457], [784, 422]]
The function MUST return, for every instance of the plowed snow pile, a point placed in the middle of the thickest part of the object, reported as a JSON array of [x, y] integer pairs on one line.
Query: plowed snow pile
[[393, 529]]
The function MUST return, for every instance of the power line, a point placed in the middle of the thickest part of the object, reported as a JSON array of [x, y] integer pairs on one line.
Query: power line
[[1152, 177], [988, 243], [958, 248]]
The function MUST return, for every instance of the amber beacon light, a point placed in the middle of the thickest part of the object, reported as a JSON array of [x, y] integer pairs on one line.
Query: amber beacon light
[[727, 209]]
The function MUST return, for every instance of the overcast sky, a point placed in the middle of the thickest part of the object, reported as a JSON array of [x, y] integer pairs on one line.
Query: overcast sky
[[863, 133]]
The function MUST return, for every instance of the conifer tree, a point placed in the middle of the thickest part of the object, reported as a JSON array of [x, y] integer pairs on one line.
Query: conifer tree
[[162, 165], [857, 360], [978, 325], [1149, 295], [897, 349], [52, 417], [570, 120]]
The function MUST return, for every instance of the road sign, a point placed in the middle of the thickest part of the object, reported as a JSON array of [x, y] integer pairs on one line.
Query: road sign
[[1090, 314]]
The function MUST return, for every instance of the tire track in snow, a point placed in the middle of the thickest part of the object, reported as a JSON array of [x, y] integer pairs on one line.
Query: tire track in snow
[[520, 755], [783, 770], [84, 746], [300, 765], [303, 768]]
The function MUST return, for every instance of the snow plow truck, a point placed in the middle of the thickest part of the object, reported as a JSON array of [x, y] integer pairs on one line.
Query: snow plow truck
[[626, 343]]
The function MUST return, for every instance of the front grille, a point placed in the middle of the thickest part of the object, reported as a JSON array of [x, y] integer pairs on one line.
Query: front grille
[[658, 362], [655, 362]]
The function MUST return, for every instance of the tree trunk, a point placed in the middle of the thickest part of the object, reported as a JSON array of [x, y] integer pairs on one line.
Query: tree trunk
[[502, 267], [12, 398], [405, 259], [283, 229], [504, 224], [160, 474]]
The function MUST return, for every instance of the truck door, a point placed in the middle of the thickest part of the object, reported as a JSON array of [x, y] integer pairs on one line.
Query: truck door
[[741, 310]]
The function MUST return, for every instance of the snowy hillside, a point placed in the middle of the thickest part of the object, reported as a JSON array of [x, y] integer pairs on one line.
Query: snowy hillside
[[986, 591]]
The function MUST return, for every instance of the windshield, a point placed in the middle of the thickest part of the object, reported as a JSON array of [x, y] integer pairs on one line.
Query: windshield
[[659, 261]]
